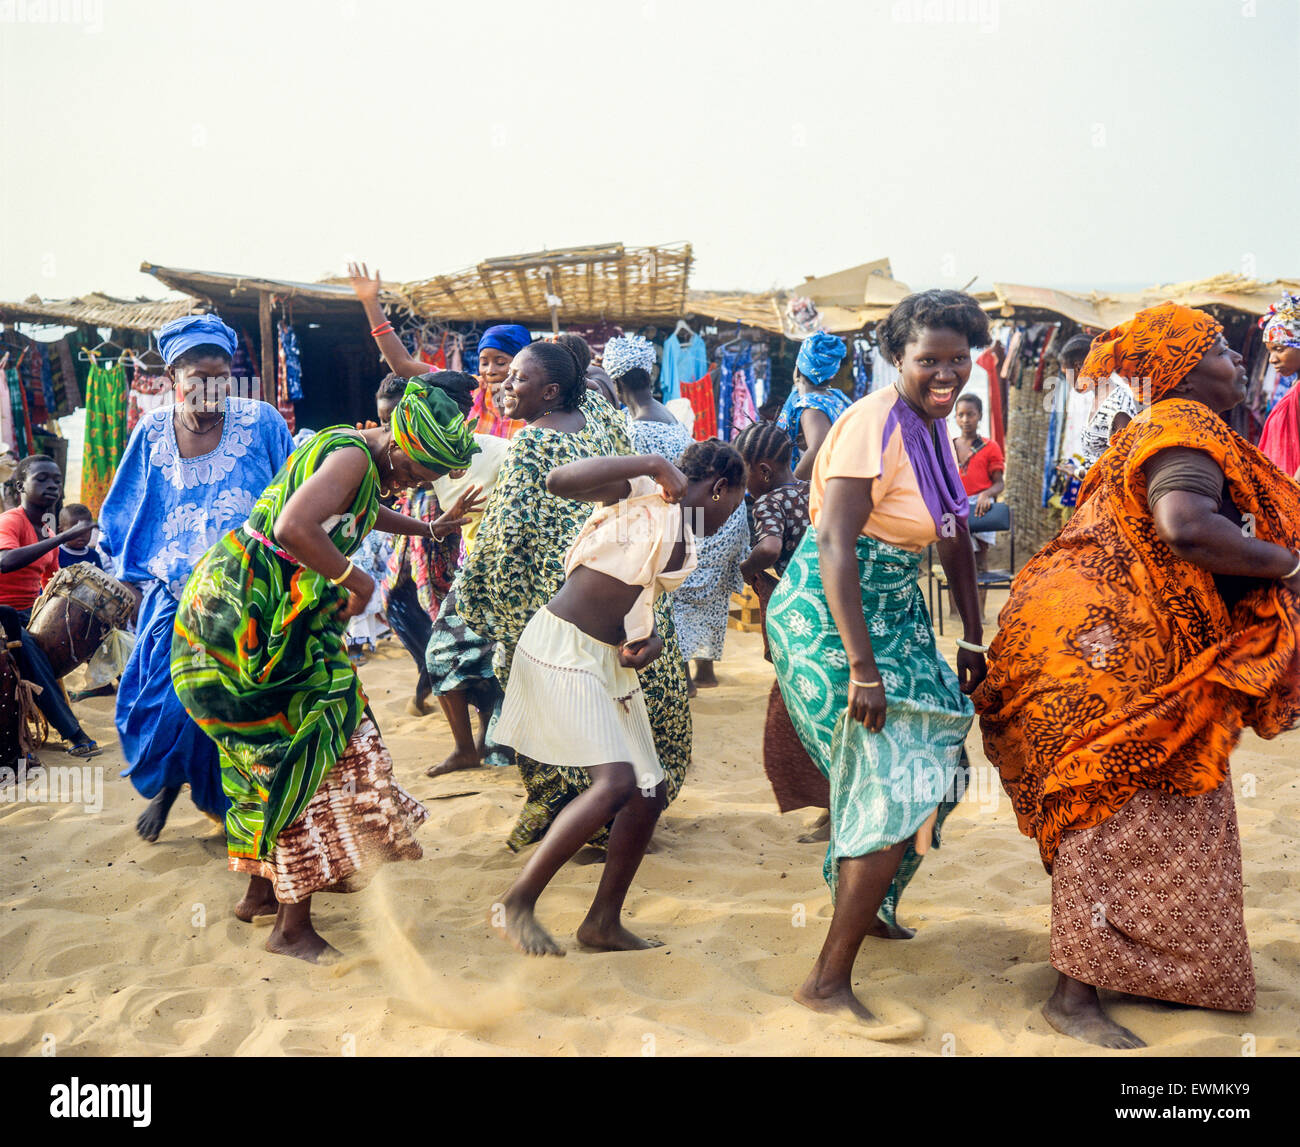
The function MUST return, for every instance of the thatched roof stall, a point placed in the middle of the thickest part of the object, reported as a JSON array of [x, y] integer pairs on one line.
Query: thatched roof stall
[[96, 310]]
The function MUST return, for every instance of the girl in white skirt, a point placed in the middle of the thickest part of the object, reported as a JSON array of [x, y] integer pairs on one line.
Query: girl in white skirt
[[574, 698]]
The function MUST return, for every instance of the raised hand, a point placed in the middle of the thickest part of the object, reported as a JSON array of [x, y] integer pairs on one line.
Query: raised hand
[[366, 288]]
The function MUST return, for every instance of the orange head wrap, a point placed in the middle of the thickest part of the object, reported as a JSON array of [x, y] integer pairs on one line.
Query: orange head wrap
[[1154, 350]]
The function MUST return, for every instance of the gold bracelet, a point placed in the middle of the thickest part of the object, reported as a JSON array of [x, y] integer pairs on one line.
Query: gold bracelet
[[347, 573], [866, 684]]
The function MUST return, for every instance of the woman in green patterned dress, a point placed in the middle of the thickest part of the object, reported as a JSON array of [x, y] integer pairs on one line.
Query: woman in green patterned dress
[[258, 661], [517, 563], [877, 708]]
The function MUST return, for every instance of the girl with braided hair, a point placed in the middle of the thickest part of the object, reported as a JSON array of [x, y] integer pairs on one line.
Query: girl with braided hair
[[517, 563], [574, 699], [701, 604], [780, 519]]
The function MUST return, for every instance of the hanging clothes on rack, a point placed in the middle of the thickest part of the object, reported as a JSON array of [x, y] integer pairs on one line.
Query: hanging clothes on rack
[[148, 392], [736, 405], [700, 395], [283, 387], [681, 364], [106, 434], [17, 424]]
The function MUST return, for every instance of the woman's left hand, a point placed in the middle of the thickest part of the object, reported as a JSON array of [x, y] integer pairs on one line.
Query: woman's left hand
[[983, 503], [971, 669], [672, 482], [458, 513], [639, 654]]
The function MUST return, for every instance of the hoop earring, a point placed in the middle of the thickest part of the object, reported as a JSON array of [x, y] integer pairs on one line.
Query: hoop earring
[[717, 498]]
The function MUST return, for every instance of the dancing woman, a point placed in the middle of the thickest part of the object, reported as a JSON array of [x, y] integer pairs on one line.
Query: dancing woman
[[258, 661]]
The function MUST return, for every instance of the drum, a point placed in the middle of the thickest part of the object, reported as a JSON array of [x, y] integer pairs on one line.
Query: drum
[[77, 609]]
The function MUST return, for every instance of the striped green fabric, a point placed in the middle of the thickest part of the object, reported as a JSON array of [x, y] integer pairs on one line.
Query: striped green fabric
[[258, 658]]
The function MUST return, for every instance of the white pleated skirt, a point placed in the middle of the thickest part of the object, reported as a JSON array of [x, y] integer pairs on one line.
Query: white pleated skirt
[[570, 702]]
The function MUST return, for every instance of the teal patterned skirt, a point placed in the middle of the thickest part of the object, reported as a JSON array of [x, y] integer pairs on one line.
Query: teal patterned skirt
[[884, 785]]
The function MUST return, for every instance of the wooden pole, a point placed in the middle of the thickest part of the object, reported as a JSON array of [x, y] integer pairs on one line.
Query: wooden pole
[[550, 294], [268, 347]]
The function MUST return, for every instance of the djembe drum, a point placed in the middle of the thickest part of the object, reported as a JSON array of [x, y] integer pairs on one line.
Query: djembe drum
[[75, 612]]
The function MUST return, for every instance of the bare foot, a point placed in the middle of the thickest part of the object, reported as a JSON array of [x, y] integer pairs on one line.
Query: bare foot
[[840, 1003], [455, 763], [306, 945], [416, 708], [691, 690], [526, 934], [819, 832], [884, 931], [613, 939], [1078, 1014], [259, 900], [707, 683], [151, 821]]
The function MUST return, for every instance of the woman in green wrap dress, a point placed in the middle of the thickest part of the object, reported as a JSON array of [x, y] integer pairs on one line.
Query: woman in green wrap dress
[[259, 663], [877, 708], [517, 564]]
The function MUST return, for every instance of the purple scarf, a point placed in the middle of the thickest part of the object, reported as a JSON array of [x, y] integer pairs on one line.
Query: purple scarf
[[936, 472]]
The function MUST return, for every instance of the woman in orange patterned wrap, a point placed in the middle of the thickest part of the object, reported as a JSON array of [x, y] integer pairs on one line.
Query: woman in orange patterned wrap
[[1135, 647]]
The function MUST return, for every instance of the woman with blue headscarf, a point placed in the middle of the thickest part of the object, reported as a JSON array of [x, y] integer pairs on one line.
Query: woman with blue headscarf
[[191, 471], [813, 405]]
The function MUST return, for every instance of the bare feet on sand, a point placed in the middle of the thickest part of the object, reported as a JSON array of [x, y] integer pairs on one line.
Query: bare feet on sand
[[305, 944], [258, 900], [840, 1002], [525, 933], [455, 763], [613, 938], [151, 821], [1074, 1010], [819, 832], [883, 931]]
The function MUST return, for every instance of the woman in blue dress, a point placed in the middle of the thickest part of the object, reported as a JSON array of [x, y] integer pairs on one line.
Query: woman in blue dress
[[191, 473], [813, 405]]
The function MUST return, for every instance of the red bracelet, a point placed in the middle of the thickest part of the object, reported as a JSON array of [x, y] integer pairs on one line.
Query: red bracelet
[[382, 329]]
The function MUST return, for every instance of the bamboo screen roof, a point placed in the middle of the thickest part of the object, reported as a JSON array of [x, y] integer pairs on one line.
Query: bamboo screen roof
[[96, 310], [606, 281]]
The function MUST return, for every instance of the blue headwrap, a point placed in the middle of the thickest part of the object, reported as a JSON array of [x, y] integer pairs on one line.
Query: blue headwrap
[[183, 334], [508, 337], [820, 355]]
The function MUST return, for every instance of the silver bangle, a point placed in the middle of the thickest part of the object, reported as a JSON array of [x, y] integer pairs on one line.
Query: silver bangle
[[1295, 569], [971, 646]]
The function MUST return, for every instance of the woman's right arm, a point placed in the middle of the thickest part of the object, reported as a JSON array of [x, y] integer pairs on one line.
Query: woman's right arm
[[1191, 525], [607, 479], [845, 510], [20, 557], [390, 346], [299, 527]]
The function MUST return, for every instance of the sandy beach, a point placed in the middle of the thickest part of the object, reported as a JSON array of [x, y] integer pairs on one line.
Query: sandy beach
[[112, 946]]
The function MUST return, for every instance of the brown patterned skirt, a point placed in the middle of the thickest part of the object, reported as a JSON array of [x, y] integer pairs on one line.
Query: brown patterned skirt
[[795, 780], [359, 818], [1150, 902]]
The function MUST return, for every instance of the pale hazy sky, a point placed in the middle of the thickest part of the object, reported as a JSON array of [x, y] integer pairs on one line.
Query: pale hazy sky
[[1059, 142]]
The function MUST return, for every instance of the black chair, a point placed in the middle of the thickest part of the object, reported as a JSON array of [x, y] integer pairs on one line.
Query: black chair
[[988, 579]]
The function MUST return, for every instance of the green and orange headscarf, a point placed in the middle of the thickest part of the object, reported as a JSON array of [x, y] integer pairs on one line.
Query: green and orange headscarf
[[1154, 350], [430, 429]]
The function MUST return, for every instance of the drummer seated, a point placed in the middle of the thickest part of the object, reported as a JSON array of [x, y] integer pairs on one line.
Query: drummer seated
[[74, 514], [27, 561]]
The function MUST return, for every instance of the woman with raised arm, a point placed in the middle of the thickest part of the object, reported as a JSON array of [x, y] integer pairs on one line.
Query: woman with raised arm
[[1133, 650], [258, 661], [875, 705]]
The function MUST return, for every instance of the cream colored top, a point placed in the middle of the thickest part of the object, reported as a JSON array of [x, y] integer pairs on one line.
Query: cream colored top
[[483, 470], [633, 541]]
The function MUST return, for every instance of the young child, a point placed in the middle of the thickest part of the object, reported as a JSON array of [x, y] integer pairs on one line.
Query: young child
[[780, 509], [780, 513], [75, 514], [574, 698]]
